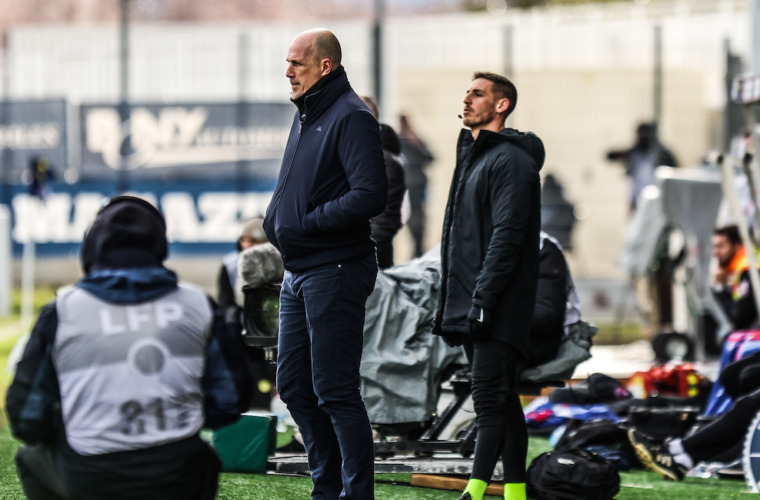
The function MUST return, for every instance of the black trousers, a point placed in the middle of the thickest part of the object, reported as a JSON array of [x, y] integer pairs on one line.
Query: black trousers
[[416, 222], [726, 434], [499, 418], [722, 439], [54, 472]]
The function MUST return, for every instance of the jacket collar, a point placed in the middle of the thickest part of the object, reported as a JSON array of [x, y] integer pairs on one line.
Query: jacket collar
[[526, 141], [322, 94], [485, 139]]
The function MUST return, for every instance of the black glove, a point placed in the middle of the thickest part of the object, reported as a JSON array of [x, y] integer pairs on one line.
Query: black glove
[[480, 323]]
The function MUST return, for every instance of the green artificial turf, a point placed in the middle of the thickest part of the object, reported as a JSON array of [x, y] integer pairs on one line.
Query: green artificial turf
[[636, 485]]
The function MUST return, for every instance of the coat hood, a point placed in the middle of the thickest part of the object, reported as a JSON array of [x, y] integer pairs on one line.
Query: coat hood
[[527, 141], [129, 286], [127, 233]]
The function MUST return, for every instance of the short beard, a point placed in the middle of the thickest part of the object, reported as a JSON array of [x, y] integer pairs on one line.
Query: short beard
[[723, 264]]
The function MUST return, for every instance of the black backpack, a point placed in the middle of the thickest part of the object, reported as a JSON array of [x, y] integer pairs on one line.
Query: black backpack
[[582, 433], [572, 474]]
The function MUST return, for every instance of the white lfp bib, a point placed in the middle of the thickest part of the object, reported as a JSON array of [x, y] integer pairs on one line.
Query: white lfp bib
[[130, 374]]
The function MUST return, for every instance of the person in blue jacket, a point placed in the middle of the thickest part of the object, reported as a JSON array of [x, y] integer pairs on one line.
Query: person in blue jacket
[[331, 183], [121, 372]]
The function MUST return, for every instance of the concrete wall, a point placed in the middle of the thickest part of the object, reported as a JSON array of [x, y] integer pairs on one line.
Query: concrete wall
[[585, 76], [578, 115]]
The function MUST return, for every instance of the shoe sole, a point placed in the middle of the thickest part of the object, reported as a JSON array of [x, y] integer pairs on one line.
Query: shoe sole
[[649, 462]]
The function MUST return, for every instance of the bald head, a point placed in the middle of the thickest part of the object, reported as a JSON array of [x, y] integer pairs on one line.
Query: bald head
[[311, 55], [324, 45], [328, 47]]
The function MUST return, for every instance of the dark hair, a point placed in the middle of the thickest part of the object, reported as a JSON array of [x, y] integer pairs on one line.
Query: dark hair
[[731, 233], [502, 88]]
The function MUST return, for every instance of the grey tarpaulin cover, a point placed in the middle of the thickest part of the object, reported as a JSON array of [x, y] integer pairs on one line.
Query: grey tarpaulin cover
[[402, 361]]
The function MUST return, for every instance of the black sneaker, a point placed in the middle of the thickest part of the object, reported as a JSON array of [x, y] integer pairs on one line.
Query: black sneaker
[[655, 456], [732, 470], [466, 496]]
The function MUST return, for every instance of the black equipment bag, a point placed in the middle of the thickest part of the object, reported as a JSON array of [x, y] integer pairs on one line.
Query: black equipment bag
[[582, 433], [572, 474], [661, 423]]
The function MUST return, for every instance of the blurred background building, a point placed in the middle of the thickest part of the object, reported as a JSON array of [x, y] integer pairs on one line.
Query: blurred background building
[[186, 101]]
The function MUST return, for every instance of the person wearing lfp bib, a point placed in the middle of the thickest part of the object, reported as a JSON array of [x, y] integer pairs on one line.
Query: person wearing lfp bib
[[121, 372]]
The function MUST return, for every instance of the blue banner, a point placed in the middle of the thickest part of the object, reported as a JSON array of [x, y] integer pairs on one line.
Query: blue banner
[[180, 141], [201, 217], [31, 129]]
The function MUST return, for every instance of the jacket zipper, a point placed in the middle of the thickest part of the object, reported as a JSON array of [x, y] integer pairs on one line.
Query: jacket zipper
[[290, 165], [445, 243], [460, 167]]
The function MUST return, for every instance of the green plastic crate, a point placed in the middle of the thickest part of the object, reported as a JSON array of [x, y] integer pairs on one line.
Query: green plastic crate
[[245, 445]]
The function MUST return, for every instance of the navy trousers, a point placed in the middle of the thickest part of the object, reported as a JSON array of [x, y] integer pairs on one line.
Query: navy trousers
[[319, 354], [55, 472]]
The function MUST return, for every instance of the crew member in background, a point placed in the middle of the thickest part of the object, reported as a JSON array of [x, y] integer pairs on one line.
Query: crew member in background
[[720, 440], [228, 298], [642, 159], [41, 174], [251, 234], [416, 157], [723, 437], [122, 371], [733, 288], [386, 225]]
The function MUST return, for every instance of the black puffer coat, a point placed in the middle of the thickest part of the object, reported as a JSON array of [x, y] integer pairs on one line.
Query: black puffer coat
[[489, 248]]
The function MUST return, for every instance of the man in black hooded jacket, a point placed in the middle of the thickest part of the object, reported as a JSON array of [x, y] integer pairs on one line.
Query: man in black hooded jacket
[[122, 371], [489, 266]]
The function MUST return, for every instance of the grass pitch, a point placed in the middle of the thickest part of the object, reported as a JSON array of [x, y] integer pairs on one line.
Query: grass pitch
[[636, 485]]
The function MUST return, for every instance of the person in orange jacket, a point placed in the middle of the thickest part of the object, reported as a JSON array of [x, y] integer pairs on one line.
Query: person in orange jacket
[[733, 288]]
